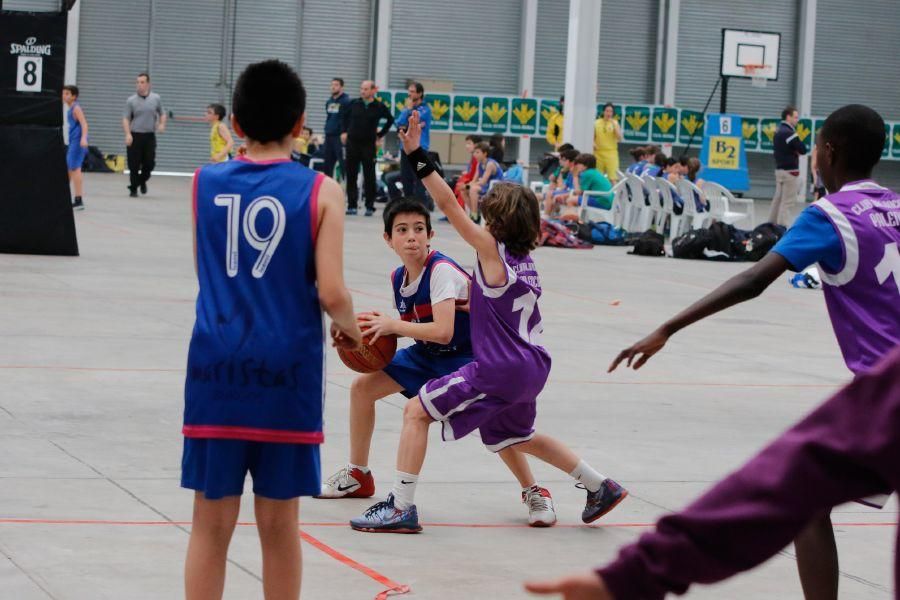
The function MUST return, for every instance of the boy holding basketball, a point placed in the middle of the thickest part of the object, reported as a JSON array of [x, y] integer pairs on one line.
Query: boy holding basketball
[[497, 392], [269, 258], [431, 293]]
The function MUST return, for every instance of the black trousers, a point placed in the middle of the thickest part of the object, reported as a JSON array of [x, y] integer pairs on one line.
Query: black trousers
[[412, 186], [141, 158], [333, 152], [361, 155]]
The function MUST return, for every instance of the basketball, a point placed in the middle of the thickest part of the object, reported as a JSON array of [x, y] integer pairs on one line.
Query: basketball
[[370, 357]]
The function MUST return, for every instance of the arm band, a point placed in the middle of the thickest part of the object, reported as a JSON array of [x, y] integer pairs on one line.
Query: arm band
[[421, 163]]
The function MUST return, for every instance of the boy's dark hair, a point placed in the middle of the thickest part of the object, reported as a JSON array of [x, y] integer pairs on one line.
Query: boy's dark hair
[[219, 110], [146, 75], [609, 105], [570, 154], [856, 132], [73, 89], [637, 152], [420, 89], [401, 206], [309, 129], [497, 140], [670, 161], [340, 80], [475, 139], [788, 111], [484, 147], [652, 149], [513, 217], [566, 146], [588, 160], [659, 159], [268, 100]]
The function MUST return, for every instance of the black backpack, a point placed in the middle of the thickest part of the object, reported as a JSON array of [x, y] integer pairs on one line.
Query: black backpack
[[691, 244], [650, 244], [762, 239]]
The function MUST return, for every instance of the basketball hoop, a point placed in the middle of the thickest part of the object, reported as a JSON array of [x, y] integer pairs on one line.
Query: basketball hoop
[[757, 75]]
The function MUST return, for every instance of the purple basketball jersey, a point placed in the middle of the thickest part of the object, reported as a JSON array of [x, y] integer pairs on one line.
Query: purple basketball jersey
[[510, 361], [863, 298]]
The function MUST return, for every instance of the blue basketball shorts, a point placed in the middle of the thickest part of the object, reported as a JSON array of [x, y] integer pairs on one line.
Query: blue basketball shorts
[[413, 366], [280, 471], [75, 156]]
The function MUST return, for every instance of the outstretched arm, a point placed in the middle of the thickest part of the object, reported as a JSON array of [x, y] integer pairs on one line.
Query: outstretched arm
[[477, 237], [740, 288]]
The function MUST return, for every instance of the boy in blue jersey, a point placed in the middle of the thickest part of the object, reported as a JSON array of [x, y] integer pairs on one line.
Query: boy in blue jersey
[[431, 293], [268, 250]]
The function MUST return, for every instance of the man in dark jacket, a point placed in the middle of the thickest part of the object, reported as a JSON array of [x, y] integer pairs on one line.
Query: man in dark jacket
[[360, 132], [787, 151], [333, 150]]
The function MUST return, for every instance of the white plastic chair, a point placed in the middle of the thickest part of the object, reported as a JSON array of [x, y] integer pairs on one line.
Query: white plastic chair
[[666, 189], [694, 217], [636, 207], [619, 176], [651, 213], [721, 203], [537, 187], [619, 196]]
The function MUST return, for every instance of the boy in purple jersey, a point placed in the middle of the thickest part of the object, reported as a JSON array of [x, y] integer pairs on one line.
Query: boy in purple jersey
[[846, 448], [254, 389], [853, 234], [497, 392]]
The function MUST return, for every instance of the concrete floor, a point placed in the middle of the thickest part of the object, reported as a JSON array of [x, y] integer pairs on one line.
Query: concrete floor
[[92, 353]]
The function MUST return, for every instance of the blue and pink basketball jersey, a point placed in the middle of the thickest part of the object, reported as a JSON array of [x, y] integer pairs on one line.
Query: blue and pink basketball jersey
[[417, 309], [256, 358], [863, 297]]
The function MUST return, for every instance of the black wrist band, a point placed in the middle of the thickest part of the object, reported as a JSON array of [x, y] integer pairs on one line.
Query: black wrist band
[[422, 165]]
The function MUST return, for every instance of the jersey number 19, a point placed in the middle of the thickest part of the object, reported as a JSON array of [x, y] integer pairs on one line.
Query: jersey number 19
[[266, 244]]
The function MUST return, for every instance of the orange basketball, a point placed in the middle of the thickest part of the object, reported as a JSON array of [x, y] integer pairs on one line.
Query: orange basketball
[[370, 357]]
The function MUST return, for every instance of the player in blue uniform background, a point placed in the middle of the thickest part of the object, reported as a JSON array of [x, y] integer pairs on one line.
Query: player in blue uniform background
[[269, 257]]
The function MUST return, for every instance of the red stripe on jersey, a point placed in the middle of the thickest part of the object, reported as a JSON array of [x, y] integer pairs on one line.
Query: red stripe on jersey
[[314, 207], [422, 311], [250, 434]]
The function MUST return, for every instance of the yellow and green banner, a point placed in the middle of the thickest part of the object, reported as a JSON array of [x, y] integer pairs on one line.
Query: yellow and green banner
[[641, 123]]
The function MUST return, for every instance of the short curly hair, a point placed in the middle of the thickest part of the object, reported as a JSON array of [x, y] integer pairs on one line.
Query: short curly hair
[[513, 217]]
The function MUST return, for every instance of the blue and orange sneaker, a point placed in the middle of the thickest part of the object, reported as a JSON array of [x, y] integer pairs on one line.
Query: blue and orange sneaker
[[603, 500], [383, 517]]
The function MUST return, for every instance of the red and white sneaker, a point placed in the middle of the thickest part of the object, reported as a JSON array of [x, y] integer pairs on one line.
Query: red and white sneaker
[[540, 507], [348, 483]]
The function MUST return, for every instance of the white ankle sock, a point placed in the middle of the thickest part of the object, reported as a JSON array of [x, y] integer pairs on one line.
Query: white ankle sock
[[360, 467], [591, 479], [404, 489]]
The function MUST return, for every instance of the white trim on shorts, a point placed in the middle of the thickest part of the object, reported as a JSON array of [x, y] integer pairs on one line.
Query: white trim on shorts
[[427, 396], [508, 442]]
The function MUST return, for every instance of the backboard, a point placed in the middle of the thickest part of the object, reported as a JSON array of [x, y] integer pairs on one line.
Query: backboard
[[741, 49]]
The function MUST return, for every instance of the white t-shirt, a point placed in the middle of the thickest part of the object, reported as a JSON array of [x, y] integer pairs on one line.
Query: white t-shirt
[[446, 282]]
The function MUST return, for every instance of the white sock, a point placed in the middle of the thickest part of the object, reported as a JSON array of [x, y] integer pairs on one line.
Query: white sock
[[591, 479], [404, 489], [360, 467]]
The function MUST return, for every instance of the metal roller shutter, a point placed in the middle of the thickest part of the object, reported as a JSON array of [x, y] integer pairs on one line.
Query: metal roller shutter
[[186, 67], [627, 51], [265, 30], [32, 5], [113, 48], [335, 41], [472, 43], [699, 50], [550, 48]]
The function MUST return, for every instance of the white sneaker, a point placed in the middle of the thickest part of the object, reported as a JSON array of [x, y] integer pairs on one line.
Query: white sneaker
[[348, 483], [540, 507]]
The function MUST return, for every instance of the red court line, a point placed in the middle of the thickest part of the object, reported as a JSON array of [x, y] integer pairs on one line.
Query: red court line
[[23, 521], [393, 588]]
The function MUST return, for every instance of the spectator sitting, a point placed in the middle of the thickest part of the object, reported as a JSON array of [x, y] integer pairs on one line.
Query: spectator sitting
[[498, 147], [656, 166], [693, 168], [304, 146], [589, 179], [460, 187], [488, 170], [639, 154], [562, 184]]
